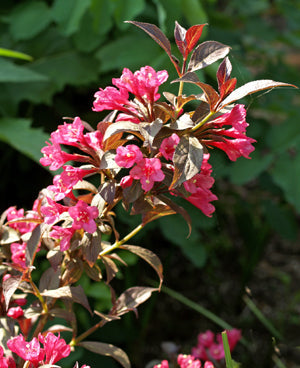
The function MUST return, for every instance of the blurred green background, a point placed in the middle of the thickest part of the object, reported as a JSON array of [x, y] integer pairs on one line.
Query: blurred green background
[[253, 238]]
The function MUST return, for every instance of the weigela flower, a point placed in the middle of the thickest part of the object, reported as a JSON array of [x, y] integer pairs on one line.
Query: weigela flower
[[168, 145], [23, 227], [206, 338], [94, 140], [6, 362], [111, 98], [216, 351], [83, 216], [128, 155], [54, 156], [126, 181], [64, 235], [199, 187], [18, 254], [52, 211], [232, 141], [29, 351], [15, 312], [233, 336], [148, 170], [69, 134], [188, 361], [55, 348]]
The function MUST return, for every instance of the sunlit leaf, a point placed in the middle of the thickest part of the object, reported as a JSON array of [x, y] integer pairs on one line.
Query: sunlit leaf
[[9, 286], [15, 54], [179, 35], [107, 349], [192, 36]]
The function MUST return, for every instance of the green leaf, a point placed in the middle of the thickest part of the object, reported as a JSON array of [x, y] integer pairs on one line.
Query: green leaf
[[15, 54], [19, 134], [12, 73], [118, 54], [228, 360], [286, 174], [68, 14], [245, 170], [127, 10], [28, 19]]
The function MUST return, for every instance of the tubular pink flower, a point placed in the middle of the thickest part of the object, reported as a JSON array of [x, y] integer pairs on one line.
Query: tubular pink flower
[[54, 156], [234, 335], [18, 254], [235, 148], [126, 181], [199, 352], [59, 188], [52, 211], [55, 348], [148, 170], [163, 364], [111, 98], [22, 227], [83, 216], [94, 140], [15, 312], [216, 351], [206, 338], [69, 134], [199, 187], [129, 155], [188, 361], [30, 351], [168, 145], [64, 235], [208, 364], [6, 362]]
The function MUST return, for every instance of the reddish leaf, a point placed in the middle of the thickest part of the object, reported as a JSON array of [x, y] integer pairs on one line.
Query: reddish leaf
[[157, 211], [227, 88], [207, 53], [192, 37], [252, 87], [179, 35], [157, 35], [132, 298], [9, 286], [224, 71], [187, 160], [149, 257], [108, 350]]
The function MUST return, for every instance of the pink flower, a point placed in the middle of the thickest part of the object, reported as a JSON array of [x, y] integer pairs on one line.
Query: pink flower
[[200, 186], [199, 352], [23, 227], [188, 361], [64, 235], [129, 155], [234, 335], [18, 254], [20, 301], [168, 145], [163, 364], [111, 98], [69, 134], [54, 156], [126, 181], [83, 216], [94, 140], [30, 351], [208, 364], [147, 171], [52, 211], [15, 312], [216, 351], [6, 362], [60, 188], [233, 141], [206, 338], [55, 348]]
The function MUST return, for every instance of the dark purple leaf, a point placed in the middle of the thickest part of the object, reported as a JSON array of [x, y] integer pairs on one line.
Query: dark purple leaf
[[32, 245], [157, 35], [179, 35], [207, 53], [149, 131], [110, 267], [9, 286], [108, 350], [107, 191], [132, 298], [91, 247], [224, 71], [187, 160], [50, 279], [149, 257], [252, 87]]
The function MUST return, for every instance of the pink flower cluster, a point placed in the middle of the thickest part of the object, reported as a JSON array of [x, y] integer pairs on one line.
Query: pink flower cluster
[[210, 346], [54, 349], [186, 361]]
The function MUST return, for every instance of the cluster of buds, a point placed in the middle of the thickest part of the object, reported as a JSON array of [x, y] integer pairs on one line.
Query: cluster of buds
[[210, 345], [143, 154]]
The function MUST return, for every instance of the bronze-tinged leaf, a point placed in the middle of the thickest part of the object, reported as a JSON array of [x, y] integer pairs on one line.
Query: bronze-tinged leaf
[[32, 245], [110, 267], [187, 160], [149, 131], [132, 298], [8, 235], [184, 122], [107, 191], [132, 193], [91, 247], [93, 273], [9, 286], [74, 293], [108, 350], [73, 271], [201, 111], [50, 279], [206, 54], [192, 37], [157, 211], [224, 72], [179, 35], [85, 185], [178, 209], [58, 328], [121, 127], [149, 257], [252, 87], [108, 161], [154, 32]]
